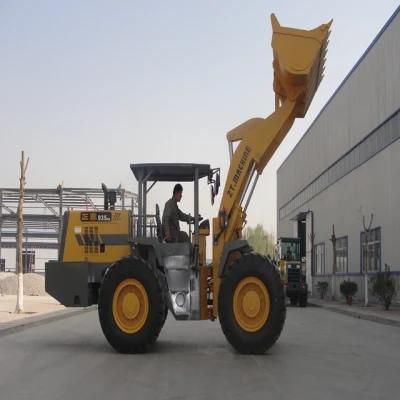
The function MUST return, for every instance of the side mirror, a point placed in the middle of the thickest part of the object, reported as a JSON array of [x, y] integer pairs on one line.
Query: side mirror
[[212, 195], [217, 183]]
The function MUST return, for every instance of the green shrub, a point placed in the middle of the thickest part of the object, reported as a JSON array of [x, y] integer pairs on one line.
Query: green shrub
[[383, 287], [348, 290]]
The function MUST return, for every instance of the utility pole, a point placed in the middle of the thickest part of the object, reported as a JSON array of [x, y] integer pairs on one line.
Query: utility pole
[[334, 265], [20, 227], [366, 268]]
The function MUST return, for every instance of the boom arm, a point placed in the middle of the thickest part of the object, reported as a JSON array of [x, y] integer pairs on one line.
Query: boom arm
[[259, 138], [299, 57]]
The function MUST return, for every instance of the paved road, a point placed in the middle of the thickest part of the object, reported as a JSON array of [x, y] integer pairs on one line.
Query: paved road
[[320, 355]]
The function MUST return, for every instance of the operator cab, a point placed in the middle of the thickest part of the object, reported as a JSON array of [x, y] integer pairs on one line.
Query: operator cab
[[180, 262], [148, 224], [289, 249]]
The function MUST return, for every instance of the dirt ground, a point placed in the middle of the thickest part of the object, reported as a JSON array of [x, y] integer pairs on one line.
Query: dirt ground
[[33, 305]]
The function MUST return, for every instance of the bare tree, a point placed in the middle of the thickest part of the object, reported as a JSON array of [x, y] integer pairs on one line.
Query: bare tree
[[366, 265], [20, 227], [334, 265]]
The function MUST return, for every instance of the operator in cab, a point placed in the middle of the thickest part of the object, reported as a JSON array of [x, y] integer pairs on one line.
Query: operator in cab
[[171, 217], [289, 254]]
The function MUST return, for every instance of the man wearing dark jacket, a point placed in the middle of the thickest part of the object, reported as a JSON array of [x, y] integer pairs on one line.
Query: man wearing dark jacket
[[171, 217]]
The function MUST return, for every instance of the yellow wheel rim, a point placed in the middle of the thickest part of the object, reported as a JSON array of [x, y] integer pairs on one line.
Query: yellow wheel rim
[[130, 306], [251, 304]]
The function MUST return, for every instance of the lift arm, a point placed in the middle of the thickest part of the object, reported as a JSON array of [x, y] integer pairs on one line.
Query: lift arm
[[298, 64]]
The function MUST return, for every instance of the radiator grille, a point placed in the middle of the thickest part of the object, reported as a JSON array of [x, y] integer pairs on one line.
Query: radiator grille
[[293, 274], [91, 238]]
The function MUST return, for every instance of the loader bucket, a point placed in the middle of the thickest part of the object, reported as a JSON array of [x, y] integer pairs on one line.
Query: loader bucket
[[299, 58]]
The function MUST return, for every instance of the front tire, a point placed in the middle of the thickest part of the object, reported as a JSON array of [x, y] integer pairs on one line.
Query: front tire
[[252, 307], [303, 300], [131, 306]]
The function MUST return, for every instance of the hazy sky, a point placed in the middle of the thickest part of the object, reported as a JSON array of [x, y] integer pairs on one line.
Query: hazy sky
[[88, 87]]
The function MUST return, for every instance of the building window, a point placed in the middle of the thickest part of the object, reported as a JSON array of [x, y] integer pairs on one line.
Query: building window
[[342, 255], [371, 250], [319, 261]]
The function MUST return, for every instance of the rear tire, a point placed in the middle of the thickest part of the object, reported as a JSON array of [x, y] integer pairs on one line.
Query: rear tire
[[293, 300], [303, 300], [252, 307], [131, 306]]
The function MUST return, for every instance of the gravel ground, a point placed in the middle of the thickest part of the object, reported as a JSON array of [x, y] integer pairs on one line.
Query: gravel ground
[[33, 284], [4, 275]]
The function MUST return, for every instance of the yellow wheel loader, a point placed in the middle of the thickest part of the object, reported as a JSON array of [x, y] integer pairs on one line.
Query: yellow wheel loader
[[293, 270], [122, 263]]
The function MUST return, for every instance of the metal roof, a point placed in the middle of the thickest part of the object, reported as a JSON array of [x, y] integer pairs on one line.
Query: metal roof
[[169, 172]]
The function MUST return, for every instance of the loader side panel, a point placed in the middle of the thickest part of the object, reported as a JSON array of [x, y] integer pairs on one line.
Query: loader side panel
[[96, 236]]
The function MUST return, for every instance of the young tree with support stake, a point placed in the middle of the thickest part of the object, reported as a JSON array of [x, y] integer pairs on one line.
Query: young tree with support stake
[[334, 265], [20, 227], [366, 265]]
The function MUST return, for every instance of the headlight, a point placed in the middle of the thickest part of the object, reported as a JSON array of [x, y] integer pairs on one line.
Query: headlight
[[180, 299]]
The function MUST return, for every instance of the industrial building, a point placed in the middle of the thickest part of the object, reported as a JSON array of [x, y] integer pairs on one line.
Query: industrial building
[[343, 175]]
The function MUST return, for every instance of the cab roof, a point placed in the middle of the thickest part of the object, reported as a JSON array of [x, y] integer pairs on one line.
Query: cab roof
[[289, 239], [169, 172]]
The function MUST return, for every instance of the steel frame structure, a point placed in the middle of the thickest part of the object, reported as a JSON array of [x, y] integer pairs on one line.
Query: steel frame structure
[[43, 212]]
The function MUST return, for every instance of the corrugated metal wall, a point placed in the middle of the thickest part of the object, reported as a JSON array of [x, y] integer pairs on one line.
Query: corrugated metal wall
[[367, 97]]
